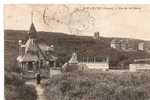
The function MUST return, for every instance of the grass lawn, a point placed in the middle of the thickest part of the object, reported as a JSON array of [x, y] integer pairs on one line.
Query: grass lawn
[[94, 85]]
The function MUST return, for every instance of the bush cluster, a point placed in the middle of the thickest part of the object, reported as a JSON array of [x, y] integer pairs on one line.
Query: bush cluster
[[15, 89], [99, 86]]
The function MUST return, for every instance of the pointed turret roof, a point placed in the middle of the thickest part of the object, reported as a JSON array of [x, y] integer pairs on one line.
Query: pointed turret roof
[[73, 59], [32, 32]]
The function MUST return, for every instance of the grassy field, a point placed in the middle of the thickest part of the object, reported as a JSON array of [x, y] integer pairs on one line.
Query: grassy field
[[93, 85], [77, 86], [15, 88]]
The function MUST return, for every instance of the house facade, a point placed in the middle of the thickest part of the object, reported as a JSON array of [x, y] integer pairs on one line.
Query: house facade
[[144, 46], [123, 44], [34, 56], [116, 44]]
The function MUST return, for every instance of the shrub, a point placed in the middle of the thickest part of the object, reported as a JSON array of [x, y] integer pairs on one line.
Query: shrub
[[15, 89], [98, 86]]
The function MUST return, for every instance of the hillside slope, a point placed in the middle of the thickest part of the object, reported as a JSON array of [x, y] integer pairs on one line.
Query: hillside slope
[[66, 44]]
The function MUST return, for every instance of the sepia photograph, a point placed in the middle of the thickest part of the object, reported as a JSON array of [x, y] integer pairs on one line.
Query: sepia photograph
[[76, 51]]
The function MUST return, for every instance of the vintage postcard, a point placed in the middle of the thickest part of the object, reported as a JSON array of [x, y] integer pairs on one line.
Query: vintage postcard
[[77, 52]]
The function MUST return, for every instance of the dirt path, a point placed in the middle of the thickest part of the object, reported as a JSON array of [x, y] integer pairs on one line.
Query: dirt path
[[39, 89]]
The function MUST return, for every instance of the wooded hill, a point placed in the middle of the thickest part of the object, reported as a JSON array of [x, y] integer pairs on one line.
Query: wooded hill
[[66, 44]]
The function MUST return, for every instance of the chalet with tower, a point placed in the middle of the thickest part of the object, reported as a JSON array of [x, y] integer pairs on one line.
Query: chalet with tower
[[34, 56]]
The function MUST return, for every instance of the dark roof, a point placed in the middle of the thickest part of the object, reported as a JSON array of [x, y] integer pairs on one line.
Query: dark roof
[[29, 57], [31, 46], [32, 32], [34, 51]]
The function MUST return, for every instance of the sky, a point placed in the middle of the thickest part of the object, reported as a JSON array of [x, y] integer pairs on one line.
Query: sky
[[129, 21]]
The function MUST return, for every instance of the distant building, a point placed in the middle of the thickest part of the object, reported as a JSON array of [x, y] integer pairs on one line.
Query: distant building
[[147, 46], [144, 46], [132, 46], [119, 44], [140, 65], [96, 35], [124, 44], [34, 56], [116, 44], [141, 46]]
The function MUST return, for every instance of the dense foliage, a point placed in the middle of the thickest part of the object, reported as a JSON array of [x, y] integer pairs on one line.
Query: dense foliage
[[15, 89], [99, 86]]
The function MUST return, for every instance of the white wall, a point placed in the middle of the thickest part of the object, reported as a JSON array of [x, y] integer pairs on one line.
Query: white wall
[[54, 72], [137, 67], [96, 65]]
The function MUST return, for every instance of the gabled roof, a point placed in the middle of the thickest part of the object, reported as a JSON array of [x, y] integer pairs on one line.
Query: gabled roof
[[30, 57], [31, 46], [34, 51]]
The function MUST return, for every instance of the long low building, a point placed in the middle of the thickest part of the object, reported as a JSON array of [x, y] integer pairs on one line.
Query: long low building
[[86, 63], [140, 65], [95, 65]]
